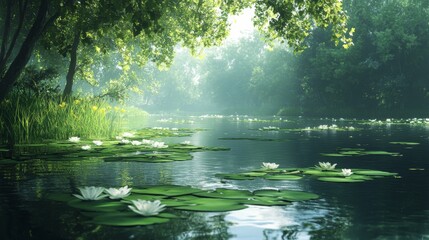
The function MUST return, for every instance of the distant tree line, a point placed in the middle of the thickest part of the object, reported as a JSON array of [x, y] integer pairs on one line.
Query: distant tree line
[[385, 73]]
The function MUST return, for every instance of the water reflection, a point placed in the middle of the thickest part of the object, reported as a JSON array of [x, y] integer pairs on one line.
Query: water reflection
[[380, 209]]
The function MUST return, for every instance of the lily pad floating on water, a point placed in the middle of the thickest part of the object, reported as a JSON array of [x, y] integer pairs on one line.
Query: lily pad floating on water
[[288, 195], [116, 212], [332, 175], [167, 190], [282, 177], [339, 179], [405, 143], [213, 205], [349, 152]]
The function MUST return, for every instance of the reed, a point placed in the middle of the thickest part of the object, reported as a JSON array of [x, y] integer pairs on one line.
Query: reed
[[33, 119]]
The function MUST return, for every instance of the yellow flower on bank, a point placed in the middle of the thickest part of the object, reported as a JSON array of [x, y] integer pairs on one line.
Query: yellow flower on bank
[[94, 108], [122, 110], [62, 105], [77, 101]]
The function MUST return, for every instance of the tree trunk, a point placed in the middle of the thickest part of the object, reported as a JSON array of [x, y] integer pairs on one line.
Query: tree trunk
[[72, 66], [24, 54]]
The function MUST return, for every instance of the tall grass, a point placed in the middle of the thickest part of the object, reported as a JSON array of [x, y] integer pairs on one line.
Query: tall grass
[[32, 119]]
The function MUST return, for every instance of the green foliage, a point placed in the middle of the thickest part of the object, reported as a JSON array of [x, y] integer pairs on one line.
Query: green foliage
[[30, 118]]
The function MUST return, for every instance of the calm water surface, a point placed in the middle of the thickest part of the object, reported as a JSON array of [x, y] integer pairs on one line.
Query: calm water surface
[[388, 208]]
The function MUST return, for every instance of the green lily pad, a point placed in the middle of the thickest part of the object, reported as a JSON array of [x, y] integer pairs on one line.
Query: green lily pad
[[374, 173], [168, 190], [264, 201], [253, 174], [234, 176], [225, 193], [321, 173], [135, 196], [339, 179], [212, 205], [405, 143], [97, 206], [380, 153], [288, 195], [282, 177], [333, 155]]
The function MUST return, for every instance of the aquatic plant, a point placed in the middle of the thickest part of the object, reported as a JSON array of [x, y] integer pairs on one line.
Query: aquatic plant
[[186, 143], [146, 208], [270, 166], [127, 134], [32, 119], [74, 139], [159, 145], [346, 172], [326, 166], [91, 193], [86, 147], [136, 143], [97, 142], [118, 193]]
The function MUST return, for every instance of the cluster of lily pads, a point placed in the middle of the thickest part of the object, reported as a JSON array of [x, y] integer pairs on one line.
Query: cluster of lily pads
[[307, 129], [137, 146], [348, 152], [156, 204], [324, 171]]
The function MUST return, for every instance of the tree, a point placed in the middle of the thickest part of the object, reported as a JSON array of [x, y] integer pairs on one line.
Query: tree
[[157, 25]]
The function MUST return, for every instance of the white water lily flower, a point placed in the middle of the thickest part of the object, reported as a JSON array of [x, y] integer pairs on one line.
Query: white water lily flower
[[186, 143], [118, 193], [346, 172], [74, 139], [326, 166], [91, 193], [159, 145], [136, 143], [118, 138], [147, 142], [174, 129], [125, 141], [86, 147], [267, 165], [147, 208], [128, 134], [97, 142]]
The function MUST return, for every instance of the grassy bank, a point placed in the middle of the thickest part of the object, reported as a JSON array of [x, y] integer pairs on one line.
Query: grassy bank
[[29, 119]]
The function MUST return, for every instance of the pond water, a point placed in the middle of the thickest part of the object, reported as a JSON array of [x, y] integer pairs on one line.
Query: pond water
[[386, 208]]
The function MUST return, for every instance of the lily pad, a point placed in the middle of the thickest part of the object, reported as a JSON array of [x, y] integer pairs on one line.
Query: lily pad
[[288, 195], [321, 173], [405, 143], [281, 177], [97, 206], [212, 205], [168, 190], [374, 173], [234, 176], [339, 179], [225, 193], [265, 201]]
